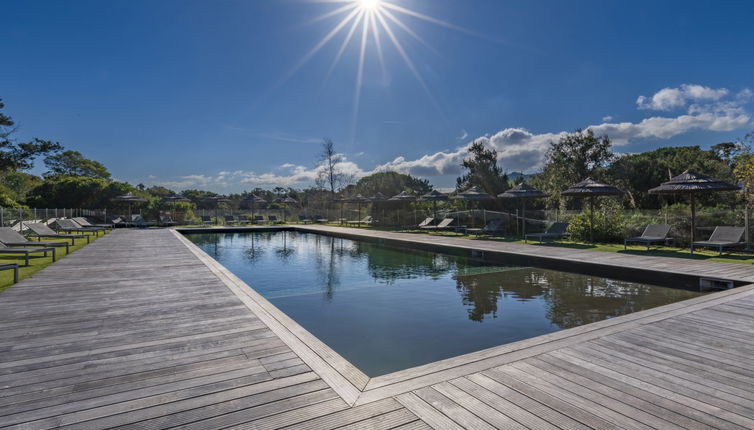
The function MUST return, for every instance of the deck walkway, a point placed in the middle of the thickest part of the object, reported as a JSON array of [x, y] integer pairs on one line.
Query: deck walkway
[[140, 330]]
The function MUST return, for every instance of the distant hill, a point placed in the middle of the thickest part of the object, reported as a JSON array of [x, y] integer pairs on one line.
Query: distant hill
[[515, 175]]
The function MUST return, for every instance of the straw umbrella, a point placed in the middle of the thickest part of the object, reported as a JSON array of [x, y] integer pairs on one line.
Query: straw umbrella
[[591, 188], [474, 194], [252, 200], [403, 196], [175, 198], [287, 200], [523, 192], [215, 200], [128, 198], [358, 199], [378, 197], [693, 183], [434, 196]]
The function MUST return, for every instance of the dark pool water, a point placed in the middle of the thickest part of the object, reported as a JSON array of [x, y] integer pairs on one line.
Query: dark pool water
[[386, 308]]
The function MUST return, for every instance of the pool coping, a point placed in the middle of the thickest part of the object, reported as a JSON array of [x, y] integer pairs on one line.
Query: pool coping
[[356, 388]]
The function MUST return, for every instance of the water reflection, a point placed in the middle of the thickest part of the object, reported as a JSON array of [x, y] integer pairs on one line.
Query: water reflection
[[386, 308]]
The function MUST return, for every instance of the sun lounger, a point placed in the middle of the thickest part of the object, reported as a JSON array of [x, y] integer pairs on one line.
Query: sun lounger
[[556, 231], [258, 219], [722, 238], [26, 252], [318, 218], [44, 232], [654, 233], [69, 225], [443, 225], [139, 221], [304, 219], [243, 219], [206, 219], [493, 226], [166, 221], [13, 267], [427, 222], [83, 222], [12, 238], [230, 219], [366, 220], [273, 219]]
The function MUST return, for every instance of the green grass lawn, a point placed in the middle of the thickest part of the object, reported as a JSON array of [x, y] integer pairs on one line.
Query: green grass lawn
[[36, 261]]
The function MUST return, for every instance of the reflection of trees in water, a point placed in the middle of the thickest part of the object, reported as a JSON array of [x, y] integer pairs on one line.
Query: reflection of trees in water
[[571, 299], [209, 242], [389, 264], [330, 251], [481, 292], [284, 251], [255, 251]]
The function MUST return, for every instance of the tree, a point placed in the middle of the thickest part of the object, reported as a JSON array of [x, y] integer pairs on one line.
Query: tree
[[20, 155], [637, 173], [76, 192], [390, 184], [483, 170], [72, 163], [330, 174], [573, 158]]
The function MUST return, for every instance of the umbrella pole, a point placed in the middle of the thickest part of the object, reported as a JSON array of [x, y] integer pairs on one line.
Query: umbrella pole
[[358, 216], [693, 217], [434, 208], [746, 219], [523, 217], [591, 219]]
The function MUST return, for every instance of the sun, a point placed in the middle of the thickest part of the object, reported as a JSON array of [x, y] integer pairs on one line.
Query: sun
[[371, 24], [369, 5]]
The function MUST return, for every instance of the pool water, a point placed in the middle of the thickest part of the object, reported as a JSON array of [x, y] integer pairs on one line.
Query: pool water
[[385, 308]]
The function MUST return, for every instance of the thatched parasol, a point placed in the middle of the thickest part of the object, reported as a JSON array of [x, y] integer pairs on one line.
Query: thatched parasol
[[378, 197], [128, 198], [358, 199], [252, 200], [523, 192], [434, 196], [287, 200], [175, 198], [693, 183], [475, 194], [591, 188], [215, 200], [403, 196]]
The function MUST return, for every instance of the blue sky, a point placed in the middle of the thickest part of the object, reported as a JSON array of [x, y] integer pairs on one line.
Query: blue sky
[[200, 93]]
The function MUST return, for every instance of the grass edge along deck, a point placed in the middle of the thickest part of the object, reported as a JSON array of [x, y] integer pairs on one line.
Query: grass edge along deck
[[357, 389]]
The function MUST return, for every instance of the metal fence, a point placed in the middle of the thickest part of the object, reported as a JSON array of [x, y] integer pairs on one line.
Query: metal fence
[[395, 216]]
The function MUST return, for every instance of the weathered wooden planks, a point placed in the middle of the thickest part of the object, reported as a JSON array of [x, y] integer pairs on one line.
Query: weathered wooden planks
[[136, 330]]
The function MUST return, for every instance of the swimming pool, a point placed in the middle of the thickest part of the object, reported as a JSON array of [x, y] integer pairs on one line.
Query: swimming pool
[[386, 308]]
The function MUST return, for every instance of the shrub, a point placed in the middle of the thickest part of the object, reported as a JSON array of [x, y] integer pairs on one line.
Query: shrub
[[608, 224]]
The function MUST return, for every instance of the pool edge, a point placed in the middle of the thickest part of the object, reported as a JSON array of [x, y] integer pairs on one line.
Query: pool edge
[[356, 388]]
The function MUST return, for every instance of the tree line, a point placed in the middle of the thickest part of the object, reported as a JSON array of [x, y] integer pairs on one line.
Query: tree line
[[72, 180]]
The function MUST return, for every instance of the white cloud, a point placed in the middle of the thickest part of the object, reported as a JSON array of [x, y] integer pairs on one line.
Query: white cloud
[[607, 118], [673, 98], [519, 149]]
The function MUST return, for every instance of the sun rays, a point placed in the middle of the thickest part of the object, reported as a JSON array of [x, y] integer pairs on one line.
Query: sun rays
[[371, 25]]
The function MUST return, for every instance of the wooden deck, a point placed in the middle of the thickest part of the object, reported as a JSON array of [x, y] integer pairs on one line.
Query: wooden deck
[[140, 329]]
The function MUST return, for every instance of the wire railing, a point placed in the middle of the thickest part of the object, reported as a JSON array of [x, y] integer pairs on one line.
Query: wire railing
[[510, 222]]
